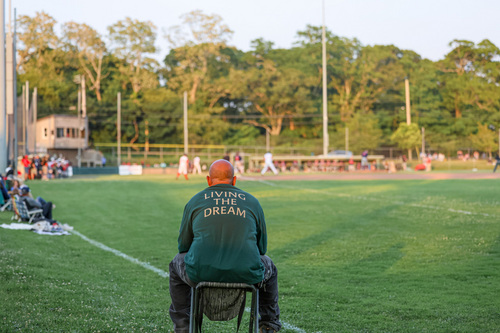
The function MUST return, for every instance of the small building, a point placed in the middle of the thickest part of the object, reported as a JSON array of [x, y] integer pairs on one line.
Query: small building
[[61, 134]]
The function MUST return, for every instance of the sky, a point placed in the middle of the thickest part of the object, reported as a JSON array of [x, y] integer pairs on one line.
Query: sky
[[424, 26]]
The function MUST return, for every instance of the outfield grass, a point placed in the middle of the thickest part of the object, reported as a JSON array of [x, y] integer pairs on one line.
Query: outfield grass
[[353, 256]]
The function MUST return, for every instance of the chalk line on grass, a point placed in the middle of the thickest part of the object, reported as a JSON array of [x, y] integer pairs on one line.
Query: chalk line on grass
[[154, 269], [123, 255]]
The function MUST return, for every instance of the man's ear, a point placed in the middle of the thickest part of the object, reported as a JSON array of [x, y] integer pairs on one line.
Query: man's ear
[[209, 181], [234, 181]]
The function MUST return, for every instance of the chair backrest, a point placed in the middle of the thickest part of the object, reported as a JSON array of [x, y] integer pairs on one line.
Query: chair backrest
[[14, 205], [222, 302], [22, 209]]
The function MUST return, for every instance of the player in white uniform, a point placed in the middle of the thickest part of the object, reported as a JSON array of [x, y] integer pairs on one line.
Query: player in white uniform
[[183, 167], [268, 163], [196, 165]]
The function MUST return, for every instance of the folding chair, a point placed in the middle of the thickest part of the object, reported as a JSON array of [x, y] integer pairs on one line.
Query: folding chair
[[6, 205], [222, 302], [21, 212]]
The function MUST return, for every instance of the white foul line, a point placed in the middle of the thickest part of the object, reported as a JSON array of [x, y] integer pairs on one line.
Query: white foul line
[[152, 268], [123, 255]]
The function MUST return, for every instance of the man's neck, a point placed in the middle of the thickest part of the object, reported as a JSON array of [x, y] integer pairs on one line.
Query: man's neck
[[220, 182]]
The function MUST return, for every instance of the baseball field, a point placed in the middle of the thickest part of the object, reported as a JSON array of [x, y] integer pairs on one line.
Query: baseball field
[[386, 255]]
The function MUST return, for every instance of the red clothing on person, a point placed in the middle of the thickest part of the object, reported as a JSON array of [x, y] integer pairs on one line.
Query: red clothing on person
[[26, 162]]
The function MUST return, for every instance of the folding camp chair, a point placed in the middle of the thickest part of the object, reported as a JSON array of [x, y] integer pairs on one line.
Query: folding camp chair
[[222, 302], [21, 212], [6, 205]]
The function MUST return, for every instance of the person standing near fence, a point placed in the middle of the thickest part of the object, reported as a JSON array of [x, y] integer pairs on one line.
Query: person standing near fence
[[183, 167], [196, 165], [268, 163], [238, 164], [497, 158], [364, 161]]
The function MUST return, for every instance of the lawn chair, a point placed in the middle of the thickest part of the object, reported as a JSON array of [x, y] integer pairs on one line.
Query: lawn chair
[[222, 302], [22, 213], [6, 205]]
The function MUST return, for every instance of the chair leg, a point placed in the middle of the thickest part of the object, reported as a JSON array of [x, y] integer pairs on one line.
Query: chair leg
[[194, 324], [254, 312], [191, 312]]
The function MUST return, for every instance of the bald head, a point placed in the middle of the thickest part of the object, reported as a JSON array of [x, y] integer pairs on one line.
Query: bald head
[[221, 172]]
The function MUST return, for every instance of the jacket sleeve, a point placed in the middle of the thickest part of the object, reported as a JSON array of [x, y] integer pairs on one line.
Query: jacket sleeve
[[186, 231], [32, 203], [261, 231]]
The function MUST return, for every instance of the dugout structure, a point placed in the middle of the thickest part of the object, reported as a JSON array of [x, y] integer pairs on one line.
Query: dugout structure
[[315, 163]]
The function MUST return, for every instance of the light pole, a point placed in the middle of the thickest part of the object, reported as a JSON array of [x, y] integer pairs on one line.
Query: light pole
[[119, 128], [185, 123], [3, 113], [325, 107]]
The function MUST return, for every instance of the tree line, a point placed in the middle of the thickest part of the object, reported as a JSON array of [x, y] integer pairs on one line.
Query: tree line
[[235, 97]]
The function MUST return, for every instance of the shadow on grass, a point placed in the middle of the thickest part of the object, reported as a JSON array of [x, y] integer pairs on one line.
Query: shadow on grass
[[349, 228], [376, 263]]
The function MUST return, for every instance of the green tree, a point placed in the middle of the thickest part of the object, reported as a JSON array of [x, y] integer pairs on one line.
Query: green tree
[[197, 45], [470, 77], [132, 41], [87, 45], [45, 65], [36, 35], [407, 137], [273, 94], [363, 130], [484, 139]]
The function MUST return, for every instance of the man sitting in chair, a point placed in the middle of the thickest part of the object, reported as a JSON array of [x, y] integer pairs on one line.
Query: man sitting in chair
[[36, 204], [223, 238]]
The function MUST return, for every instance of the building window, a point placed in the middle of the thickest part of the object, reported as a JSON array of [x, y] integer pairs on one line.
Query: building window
[[45, 132], [60, 132]]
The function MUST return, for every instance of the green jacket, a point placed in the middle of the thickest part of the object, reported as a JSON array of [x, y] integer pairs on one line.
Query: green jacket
[[223, 231]]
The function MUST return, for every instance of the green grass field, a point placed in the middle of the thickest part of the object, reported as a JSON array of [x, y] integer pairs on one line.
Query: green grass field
[[353, 256]]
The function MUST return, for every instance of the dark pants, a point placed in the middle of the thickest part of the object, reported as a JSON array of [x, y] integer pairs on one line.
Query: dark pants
[[496, 165], [46, 206], [180, 292]]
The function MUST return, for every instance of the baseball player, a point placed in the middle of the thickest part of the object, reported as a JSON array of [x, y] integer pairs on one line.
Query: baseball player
[[268, 163], [183, 166]]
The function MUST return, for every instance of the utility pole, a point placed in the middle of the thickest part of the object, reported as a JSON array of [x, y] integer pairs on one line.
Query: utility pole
[[346, 140], [408, 113], [407, 94], [80, 127], [35, 115], [423, 140], [3, 113], [119, 128], [185, 122], [9, 91], [16, 120], [325, 107], [268, 141], [146, 134], [84, 113], [26, 118]]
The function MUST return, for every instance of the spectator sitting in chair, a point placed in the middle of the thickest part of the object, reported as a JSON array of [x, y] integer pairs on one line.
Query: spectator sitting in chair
[[36, 204], [223, 239]]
